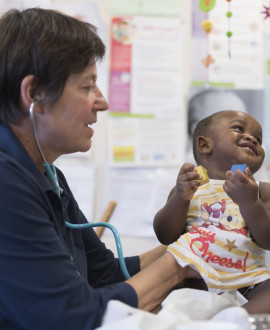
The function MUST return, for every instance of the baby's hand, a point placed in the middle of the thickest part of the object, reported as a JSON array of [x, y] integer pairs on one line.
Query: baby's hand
[[241, 187], [186, 184]]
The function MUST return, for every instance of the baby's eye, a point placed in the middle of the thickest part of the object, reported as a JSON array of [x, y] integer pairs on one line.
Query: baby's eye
[[238, 128], [259, 140]]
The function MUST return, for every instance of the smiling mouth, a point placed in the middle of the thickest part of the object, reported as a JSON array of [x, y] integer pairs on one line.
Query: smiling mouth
[[249, 146], [91, 128], [90, 125]]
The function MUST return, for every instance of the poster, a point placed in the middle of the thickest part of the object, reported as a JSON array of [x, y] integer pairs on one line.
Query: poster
[[146, 141], [146, 65], [147, 122], [139, 194], [231, 62]]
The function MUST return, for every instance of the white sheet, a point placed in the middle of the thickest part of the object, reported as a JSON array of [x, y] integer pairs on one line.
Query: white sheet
[[184, 309]]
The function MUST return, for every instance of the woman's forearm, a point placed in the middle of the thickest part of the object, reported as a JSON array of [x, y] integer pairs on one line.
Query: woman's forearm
[[151, 256], [154, 283]]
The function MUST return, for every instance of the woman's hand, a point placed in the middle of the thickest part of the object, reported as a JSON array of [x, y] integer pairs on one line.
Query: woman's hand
[[156, 281]]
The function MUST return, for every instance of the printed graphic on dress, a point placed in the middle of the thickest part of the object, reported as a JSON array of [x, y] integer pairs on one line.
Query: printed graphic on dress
[[223, 214], [200, 245]]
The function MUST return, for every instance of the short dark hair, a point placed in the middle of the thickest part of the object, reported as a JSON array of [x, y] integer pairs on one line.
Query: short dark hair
[[202, 129], [47, 44]]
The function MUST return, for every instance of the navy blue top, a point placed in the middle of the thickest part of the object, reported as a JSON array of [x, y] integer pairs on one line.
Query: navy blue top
[[51, 277]]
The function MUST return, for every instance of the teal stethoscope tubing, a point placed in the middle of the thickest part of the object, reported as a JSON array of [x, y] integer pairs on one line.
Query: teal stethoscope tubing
[[51, 174], [116, 237]]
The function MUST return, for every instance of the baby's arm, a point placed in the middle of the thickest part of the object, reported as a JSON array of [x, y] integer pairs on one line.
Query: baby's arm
[[169, 222], [254, 204]]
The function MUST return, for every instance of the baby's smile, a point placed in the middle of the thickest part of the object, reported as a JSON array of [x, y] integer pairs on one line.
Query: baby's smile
[[249, 146]]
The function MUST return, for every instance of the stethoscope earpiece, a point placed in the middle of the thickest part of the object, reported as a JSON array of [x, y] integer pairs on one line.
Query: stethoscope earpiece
[[37, 98]]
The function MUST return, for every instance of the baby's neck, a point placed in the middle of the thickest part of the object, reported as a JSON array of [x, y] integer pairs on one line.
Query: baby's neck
[[216, 174]]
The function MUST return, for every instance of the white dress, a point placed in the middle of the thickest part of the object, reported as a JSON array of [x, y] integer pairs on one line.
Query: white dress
[[217, 242]]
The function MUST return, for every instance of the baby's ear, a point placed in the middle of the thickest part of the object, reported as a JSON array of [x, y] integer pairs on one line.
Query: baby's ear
[[204, 145]]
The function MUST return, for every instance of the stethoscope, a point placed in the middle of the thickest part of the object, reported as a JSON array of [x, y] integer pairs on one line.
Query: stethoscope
[[52, 176]]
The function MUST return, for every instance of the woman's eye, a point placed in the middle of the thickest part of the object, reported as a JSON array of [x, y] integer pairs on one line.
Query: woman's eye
[[88, 88]]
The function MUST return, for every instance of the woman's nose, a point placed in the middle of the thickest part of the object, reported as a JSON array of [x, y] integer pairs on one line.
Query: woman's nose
[[101, 103]]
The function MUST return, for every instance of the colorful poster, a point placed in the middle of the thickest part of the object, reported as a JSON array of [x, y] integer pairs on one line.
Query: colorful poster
[[146, 141], [146, 65], [147, 119], [227, 45]]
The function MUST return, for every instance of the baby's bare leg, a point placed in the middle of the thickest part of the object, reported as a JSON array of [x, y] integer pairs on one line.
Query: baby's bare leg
[[259, 299]]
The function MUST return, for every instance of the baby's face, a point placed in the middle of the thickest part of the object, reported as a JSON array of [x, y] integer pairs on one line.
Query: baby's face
[[237, 139]]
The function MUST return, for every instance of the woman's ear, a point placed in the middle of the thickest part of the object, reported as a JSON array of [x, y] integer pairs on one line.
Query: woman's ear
[[204, 145], [27, 90], [29, 93]]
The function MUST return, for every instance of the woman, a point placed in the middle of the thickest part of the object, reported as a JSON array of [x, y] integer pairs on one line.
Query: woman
[[51, 276]]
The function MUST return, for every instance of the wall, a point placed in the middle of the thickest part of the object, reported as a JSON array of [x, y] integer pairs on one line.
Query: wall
[[134, 245], [131, 245]]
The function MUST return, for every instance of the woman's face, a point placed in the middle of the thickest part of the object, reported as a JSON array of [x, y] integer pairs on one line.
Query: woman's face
[[65, 127]]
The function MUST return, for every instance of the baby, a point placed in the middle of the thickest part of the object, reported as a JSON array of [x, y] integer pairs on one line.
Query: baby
[[222, 228]]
